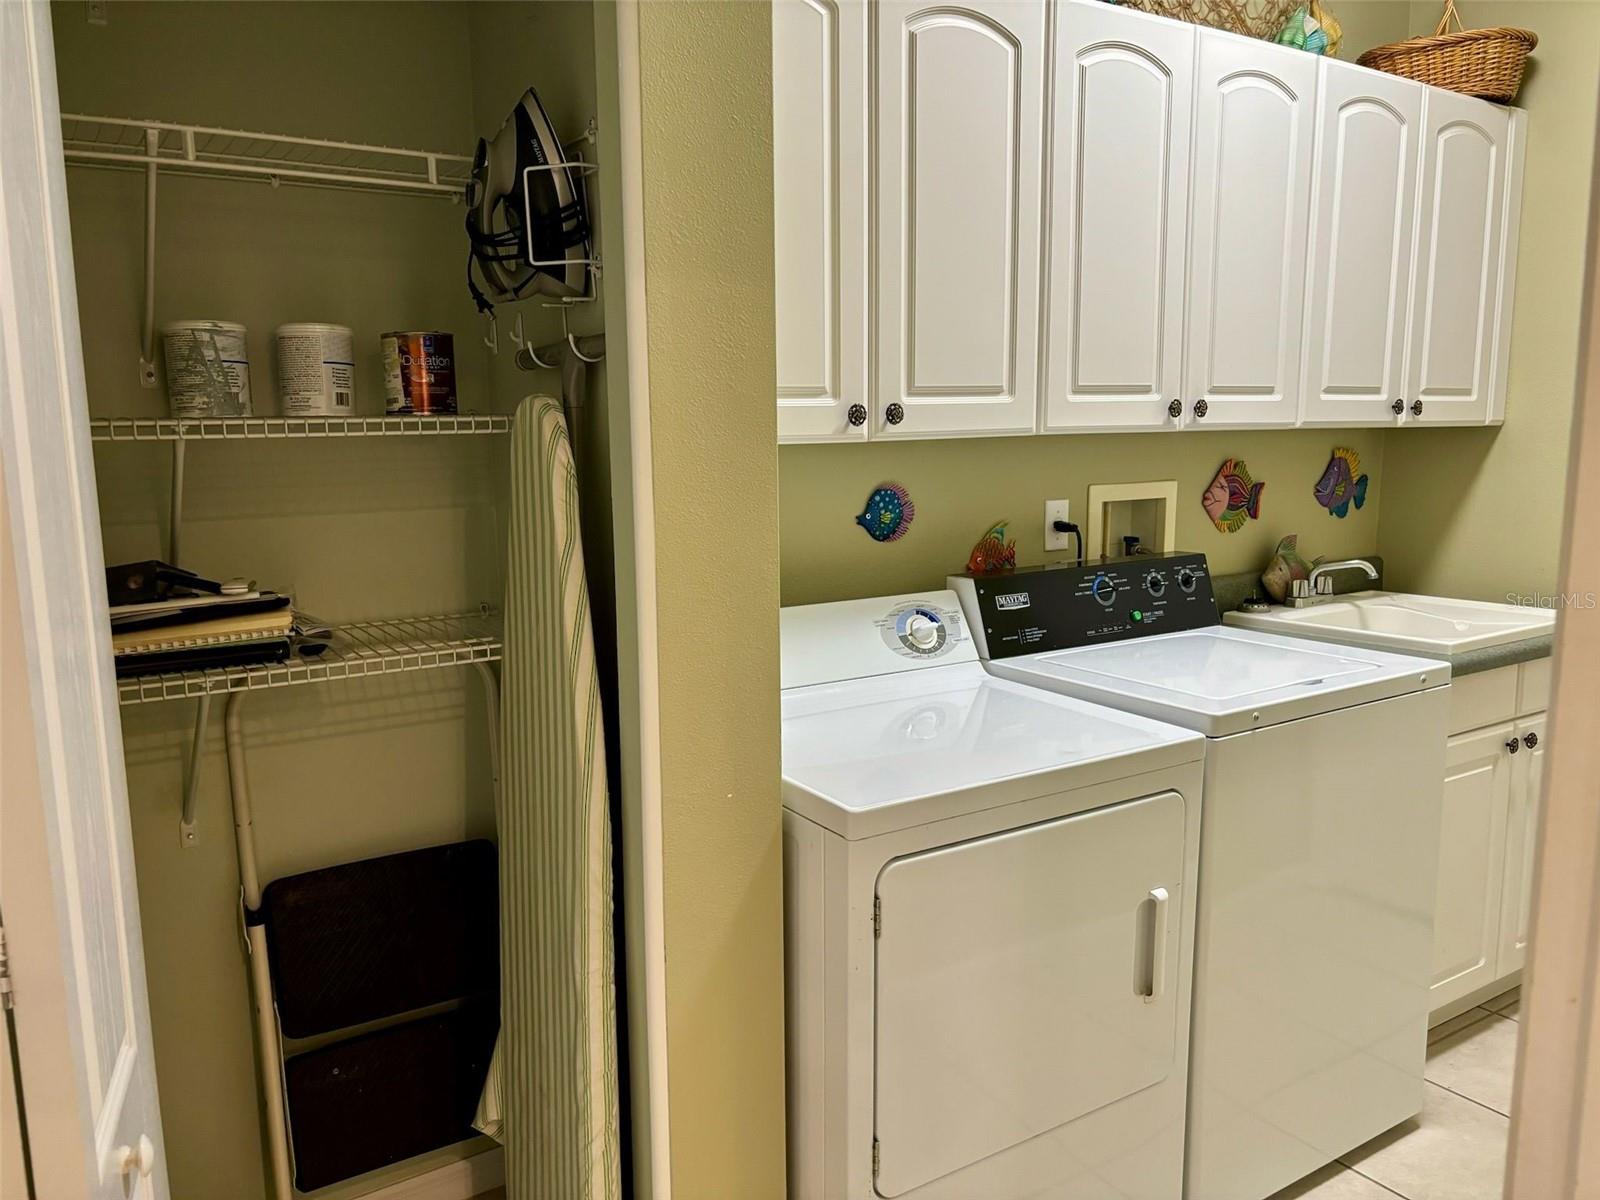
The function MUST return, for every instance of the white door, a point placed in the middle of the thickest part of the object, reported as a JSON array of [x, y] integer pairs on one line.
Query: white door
[[1522, 828], [1023, 980], [88, 1072], [960, 109], [819, 170], [1254, 121], [1363, 197], [1124, 85], [1479, 769], [1456, 287]]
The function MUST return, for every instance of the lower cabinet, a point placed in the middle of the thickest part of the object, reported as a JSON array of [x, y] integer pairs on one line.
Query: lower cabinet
[[1488, 826]]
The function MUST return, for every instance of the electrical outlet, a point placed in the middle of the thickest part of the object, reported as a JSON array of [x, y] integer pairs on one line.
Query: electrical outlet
[[1057, 510], [98, 12]]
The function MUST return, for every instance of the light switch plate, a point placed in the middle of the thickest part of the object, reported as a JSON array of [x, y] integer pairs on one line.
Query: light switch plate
[[1057, 510]]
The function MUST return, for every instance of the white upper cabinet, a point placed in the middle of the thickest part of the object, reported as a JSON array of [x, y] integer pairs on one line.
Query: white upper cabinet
[[1124, 91], [1455, 290], [1364, 196], [820, 107], [1254, 116], [960, 111]]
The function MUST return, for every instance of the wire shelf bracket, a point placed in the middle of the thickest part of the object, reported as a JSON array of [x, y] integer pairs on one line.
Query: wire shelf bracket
[[156, 146], [358, 650]]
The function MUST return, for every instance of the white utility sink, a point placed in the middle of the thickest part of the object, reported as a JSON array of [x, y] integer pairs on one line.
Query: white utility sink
[[1430, 625]]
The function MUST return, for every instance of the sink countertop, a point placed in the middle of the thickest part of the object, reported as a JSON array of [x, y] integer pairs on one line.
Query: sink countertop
[[1469, 662]]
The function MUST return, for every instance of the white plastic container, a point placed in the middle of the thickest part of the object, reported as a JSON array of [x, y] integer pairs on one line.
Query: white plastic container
[[316, 370], [208, 369]]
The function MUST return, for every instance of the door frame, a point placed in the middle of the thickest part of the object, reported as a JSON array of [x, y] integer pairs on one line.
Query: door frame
[[1555, 1122]]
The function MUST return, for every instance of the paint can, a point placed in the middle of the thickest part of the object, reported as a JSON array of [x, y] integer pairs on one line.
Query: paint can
[[316, 370], [208, 369], [419, 372]]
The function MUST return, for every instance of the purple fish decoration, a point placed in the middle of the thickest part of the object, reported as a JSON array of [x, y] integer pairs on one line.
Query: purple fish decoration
[[1340, 485]]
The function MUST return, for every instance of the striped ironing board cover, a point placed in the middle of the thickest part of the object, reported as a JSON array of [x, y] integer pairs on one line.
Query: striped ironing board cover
[[551, 1095]]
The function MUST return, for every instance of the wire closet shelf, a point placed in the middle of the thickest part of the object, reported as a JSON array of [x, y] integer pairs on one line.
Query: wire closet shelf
[[207, 150], [234, 429], [359, 649]]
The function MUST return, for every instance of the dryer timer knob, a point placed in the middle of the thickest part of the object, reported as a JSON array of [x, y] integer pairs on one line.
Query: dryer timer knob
[[922, 632], [1186, 579]]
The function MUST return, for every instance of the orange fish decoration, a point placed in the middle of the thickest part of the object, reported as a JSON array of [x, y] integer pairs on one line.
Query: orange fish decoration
[[993, 552]]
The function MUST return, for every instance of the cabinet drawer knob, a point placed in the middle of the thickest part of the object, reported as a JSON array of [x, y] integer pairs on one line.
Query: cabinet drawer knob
[[1416, 408], [1398, 407], [1175, 409], [1201, 408], [857, 414], [1530, 740], [1514, 745], [894, 414]]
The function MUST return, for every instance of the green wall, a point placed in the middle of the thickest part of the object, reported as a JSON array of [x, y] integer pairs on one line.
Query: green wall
[[1477, 512], [705, 77], [961, 487]]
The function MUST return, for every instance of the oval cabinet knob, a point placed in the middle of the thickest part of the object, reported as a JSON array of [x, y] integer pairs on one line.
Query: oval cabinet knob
[[1416, 408], [857, 414], [1175, 409], [1530, 740], [1201, 408], [894, 414], [1514, 745], [1398, 407]]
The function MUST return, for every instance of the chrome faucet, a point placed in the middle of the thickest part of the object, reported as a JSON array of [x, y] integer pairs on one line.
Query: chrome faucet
[[1317, 588]]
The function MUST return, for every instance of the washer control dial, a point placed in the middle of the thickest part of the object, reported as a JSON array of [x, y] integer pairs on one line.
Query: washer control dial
[[921, 630], [1186, 579], [1155, 583], [1103, 590]]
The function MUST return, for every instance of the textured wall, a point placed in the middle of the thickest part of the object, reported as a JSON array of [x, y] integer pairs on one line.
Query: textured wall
[[705, 78], [1478, 512]]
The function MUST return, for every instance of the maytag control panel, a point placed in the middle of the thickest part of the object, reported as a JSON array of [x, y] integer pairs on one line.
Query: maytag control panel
[[1029, 610]]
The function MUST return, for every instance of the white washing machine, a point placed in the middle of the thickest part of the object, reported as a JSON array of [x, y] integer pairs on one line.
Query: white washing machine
[[989, 906], [1323, 780]]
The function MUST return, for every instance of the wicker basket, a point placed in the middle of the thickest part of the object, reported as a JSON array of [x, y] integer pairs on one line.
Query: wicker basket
[[1480, 62]]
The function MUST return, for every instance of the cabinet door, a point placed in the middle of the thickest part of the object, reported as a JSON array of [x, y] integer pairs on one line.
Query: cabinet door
[[1124, 92], [1472, 845], [1510, 239], [1363, 197], [819, 169], [1255, 108], [1465, 144], [960, 109], [1522, 826]]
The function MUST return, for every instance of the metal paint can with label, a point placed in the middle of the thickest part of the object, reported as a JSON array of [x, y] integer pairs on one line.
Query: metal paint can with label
[[316, 370], [419, 372], [208, 369]]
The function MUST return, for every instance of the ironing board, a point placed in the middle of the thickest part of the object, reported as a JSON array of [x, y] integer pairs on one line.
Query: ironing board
[[551, 1096]]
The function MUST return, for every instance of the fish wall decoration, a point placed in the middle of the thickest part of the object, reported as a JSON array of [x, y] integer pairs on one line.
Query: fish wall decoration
[[993, 551], [888, 513], [1233, 497], [1342, 484]]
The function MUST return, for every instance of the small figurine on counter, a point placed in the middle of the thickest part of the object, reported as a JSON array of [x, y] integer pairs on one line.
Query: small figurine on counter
[[1286, 566], [993, 552]]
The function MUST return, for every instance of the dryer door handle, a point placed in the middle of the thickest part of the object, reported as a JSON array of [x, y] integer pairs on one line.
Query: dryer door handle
[[1158, 943]]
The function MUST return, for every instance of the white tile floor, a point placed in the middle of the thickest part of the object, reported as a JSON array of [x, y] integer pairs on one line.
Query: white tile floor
[[1455, 1149]]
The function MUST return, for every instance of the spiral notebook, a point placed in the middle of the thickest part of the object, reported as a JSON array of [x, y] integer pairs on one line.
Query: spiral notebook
[[238, 640]]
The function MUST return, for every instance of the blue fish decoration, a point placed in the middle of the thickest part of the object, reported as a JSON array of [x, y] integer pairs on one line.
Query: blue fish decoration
[[1340, 487], [888, 512]]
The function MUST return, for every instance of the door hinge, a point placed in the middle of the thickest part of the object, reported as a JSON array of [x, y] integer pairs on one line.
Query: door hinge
[[875, 1158], [7, 999], [877, 916]]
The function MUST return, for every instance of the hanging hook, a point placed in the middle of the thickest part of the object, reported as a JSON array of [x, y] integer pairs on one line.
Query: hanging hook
[[572, 342], [492, 339], [517, 338]]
